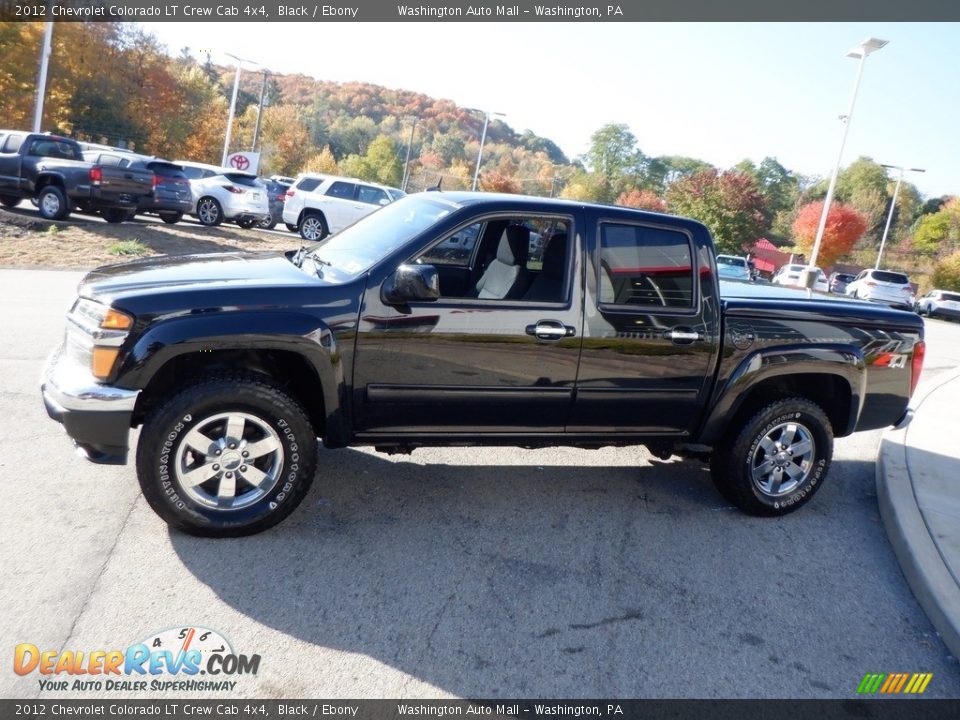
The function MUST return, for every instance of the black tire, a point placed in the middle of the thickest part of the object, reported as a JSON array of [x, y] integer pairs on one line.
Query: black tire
[[209, 212], [313, 227], [9, 200], [271, 419], [793, 422], [267, 224], [246, 223], [171, 218], [52, 203], [291, 228], [115, 215]]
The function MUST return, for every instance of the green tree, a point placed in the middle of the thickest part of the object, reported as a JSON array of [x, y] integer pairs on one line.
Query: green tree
[[384, 162], [729, 204], [946, 273], [614, 156]]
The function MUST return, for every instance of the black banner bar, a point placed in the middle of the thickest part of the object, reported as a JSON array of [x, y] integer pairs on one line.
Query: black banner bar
[[184, 709], [450, 11]]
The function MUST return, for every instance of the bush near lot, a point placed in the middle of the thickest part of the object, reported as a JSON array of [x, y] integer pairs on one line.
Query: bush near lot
[[946, 273]]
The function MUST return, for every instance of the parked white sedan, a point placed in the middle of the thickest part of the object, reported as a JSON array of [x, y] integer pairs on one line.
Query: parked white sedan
[[790, 275]]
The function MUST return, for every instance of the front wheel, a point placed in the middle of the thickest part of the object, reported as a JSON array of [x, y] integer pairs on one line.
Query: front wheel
[[228, 456], [313, 228], [209, 212], [777, 461]]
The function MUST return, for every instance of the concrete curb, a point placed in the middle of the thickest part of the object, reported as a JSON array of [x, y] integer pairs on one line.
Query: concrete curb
[[919, 555]]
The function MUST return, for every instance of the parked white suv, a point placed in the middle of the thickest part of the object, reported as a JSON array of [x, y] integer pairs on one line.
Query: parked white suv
[[940, 303], [318, 205], [883, 286], [225, 194]]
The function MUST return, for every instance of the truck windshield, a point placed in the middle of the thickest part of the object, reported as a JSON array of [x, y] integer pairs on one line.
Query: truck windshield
[[357, 248]]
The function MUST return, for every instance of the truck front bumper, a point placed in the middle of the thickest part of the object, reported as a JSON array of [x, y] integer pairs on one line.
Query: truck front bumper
[[96, 417]]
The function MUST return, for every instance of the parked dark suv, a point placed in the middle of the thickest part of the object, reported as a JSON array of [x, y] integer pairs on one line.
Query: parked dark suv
[[276, 195], [838, 282]]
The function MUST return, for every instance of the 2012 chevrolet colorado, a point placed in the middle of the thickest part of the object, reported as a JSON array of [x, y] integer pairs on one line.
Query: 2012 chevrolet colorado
[[467, 319]]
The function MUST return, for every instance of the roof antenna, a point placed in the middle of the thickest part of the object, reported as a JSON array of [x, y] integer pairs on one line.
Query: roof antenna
[[436, 188]]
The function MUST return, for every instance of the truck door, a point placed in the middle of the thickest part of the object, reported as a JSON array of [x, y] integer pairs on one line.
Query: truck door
[[650, 328], [497, 352]]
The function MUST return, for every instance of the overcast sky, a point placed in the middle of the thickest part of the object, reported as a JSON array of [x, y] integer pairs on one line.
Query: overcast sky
[[718, 92]]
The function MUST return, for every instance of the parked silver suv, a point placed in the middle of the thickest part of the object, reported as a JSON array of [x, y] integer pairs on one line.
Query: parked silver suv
[[318, 205], [883, 286]]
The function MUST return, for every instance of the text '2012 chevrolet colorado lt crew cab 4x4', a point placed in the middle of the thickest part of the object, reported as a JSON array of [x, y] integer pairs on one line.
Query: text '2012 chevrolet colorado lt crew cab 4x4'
[[467, 319]]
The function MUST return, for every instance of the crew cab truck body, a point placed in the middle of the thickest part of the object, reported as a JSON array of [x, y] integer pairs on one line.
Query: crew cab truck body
[[52, 171], [467, 319]]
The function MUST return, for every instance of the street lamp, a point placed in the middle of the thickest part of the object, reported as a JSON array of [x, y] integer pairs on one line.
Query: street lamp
[[483, 137], [809, 275], [233, 106], [42, 78], [896, 191]]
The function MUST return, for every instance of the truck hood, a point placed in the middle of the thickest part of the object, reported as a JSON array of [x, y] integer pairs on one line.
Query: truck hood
[[187, 272]]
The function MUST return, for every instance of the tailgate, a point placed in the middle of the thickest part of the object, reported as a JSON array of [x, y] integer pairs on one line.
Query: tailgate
[[125, 181]]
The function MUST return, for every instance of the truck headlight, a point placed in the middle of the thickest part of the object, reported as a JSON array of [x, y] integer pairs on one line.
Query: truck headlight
[[95, 333]]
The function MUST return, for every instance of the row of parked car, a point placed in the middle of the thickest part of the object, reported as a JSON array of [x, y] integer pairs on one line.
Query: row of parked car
[[881, 286], [60, 175], [314, 205]]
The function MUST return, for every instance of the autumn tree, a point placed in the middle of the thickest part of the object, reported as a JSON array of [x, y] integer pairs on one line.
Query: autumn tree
[[939, 232], [845, 225], [642, 199], [322, 162], [728, 203], [495, 181], [946, 273]]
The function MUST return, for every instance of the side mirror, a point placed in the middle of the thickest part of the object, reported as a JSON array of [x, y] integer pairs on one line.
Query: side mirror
[[383, 202], [411, 283]]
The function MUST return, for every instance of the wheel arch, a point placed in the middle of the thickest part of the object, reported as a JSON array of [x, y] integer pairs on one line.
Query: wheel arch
[[833, 378], [305, 363]]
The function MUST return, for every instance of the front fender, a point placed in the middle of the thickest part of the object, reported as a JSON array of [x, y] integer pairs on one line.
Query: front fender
[[844, 361], [298, 333]]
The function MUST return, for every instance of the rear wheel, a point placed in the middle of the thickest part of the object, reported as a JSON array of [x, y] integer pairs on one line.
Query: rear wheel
[[313, 228], [777, 460], [209, 212], [291, 228], [171, 218], [230, 455], [52, 203], [9, 201], [267, 224], [246, 223]]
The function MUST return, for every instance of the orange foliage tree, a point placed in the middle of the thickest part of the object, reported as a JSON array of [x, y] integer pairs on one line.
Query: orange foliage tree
[[845, 225], [642, 199]]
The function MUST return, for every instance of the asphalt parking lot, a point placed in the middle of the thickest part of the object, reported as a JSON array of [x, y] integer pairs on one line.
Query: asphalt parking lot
[[477, 573]]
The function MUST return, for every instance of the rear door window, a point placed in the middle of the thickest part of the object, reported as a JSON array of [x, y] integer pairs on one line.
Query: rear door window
[[309, 184], [646, 266], [342, 190]]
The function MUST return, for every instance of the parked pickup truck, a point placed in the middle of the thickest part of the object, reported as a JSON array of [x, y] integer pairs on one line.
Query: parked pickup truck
[[52, 171], [467, 319]]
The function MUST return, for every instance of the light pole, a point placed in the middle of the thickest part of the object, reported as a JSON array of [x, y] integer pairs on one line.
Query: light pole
[[893, 202], [406, 163], [483, 138], [256, 128], [42, 79], [809, 275], [233, 106]]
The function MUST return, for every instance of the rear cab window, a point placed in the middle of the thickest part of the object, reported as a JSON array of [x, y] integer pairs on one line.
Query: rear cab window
[[12, 143]]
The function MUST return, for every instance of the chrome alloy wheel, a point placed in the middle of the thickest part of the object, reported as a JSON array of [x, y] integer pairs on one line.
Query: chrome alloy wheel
[[208, 212], [783, 459], [229, 461], [312, 228]]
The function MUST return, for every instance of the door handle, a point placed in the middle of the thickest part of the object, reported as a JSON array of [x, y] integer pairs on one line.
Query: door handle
[[683, 336], [550, 330]]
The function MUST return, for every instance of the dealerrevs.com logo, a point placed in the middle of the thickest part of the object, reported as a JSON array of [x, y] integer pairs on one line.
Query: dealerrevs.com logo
[[185, 659]]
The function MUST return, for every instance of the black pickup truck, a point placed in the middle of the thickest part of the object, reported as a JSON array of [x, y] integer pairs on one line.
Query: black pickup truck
[[51, 170], [467, 319]]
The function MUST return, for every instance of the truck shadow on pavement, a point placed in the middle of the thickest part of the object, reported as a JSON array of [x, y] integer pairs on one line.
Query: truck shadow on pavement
[[563, 581]]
